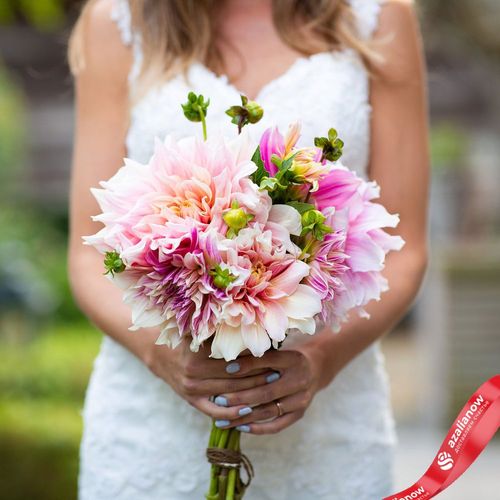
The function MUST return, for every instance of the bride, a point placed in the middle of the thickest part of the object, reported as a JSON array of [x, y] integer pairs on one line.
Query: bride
[[316, 415]]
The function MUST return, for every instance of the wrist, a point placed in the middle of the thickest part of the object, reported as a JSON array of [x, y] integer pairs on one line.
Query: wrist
[[318, 351]]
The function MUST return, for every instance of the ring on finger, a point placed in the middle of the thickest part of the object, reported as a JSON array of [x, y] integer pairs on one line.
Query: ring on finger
[[280, 408]]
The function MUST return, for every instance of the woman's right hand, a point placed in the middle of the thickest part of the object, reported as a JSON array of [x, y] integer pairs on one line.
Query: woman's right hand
[[197, 378]]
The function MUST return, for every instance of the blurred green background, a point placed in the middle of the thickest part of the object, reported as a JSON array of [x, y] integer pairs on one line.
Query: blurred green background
[[451, 337]]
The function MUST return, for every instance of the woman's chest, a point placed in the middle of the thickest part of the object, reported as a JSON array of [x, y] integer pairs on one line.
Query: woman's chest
[[321, 91]]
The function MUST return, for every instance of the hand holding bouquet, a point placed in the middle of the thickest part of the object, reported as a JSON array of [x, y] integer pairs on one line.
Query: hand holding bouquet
[[236, 243]]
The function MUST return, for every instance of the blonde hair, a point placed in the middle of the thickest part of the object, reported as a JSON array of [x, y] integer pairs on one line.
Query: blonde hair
[[175, 33]]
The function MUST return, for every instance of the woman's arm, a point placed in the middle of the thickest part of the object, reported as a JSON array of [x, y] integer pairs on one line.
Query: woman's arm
[[100, 128], [400, 164], [101, 124]]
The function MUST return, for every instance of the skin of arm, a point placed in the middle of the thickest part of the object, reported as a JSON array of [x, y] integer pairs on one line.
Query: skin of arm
[[400, 164]]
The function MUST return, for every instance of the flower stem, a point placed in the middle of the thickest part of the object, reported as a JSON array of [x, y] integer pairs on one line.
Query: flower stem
[[306, 248], [234, 444], [204, 125], [225, 482], [223, 438], [214, 470]]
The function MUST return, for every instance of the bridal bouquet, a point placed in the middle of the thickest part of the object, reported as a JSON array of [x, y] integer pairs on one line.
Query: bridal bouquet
[[237, 243]]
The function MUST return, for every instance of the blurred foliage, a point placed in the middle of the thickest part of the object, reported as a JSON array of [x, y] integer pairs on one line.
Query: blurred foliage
[[33, 275], [42, 386], [449, 146], [54, 366], [12, 129], [34, 244], [43, 14]]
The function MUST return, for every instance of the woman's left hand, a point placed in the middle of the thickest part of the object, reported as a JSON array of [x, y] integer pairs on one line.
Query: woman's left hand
[[296, 379]]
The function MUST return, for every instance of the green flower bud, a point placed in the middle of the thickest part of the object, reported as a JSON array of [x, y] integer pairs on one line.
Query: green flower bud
[[113, 263], [236, 218], [312, 217], [196, 107], [312, 222], [255, 112], [222, 277], [332, 146], [247, 112], [195, 110]]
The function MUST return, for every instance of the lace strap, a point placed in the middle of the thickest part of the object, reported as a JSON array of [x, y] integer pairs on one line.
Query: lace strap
[[121, 15], [366, 13]]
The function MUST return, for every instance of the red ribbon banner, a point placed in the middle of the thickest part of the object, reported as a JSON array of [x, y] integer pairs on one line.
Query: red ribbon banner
[[472, 430]]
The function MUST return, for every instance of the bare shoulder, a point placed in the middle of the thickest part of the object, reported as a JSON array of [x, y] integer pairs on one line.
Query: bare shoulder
[[399, 42], [102, 46]]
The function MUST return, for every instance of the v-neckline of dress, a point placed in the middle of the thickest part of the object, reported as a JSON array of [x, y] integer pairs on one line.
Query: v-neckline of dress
[[290, 70]]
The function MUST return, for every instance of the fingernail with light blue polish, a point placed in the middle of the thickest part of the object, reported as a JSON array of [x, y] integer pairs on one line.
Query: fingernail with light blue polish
[[245, 411], [233, 368], [272, 377], [220, 401], [221, 423], [243, 428]]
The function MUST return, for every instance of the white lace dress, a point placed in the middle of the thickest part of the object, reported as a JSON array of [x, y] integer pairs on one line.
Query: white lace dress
[[143, 442]]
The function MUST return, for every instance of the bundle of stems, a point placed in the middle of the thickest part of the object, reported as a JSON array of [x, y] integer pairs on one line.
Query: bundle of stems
[[225, 480]]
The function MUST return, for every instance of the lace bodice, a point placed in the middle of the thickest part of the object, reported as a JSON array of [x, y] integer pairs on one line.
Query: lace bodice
[[339, 78], [141, 441]]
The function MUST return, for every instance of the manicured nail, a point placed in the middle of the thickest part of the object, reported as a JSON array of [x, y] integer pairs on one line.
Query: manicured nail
[[221, 423], [243, 428], [245, 411], [272, 377], [220, 401], [233, 368]]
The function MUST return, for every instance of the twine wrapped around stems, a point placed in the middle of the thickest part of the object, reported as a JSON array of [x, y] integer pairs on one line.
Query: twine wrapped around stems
[[224, 455], [231, 459]]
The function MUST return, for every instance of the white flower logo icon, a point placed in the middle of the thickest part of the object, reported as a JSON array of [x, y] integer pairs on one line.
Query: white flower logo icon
[[445, 461]]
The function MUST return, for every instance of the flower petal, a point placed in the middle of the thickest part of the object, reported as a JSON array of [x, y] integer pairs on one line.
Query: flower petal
[[169, 335], [292, 136], [304, 303], [304, 325], [364, 254], [286, 282], [256, 339], [275, 321], [271, 142], [286, 216], [227, 343]]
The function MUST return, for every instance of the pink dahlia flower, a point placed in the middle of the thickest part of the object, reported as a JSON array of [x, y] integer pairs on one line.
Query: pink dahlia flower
[[271, 299], [187, 184], [366, 242]]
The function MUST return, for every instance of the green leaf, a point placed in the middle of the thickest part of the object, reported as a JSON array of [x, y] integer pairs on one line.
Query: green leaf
[[271, 183], [234, 111], [301, 207], [261, 172], [287, 164], [276, 160], [332, 135]]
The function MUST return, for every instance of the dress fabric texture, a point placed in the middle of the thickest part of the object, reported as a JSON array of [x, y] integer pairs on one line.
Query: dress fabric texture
[[143, 442]]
